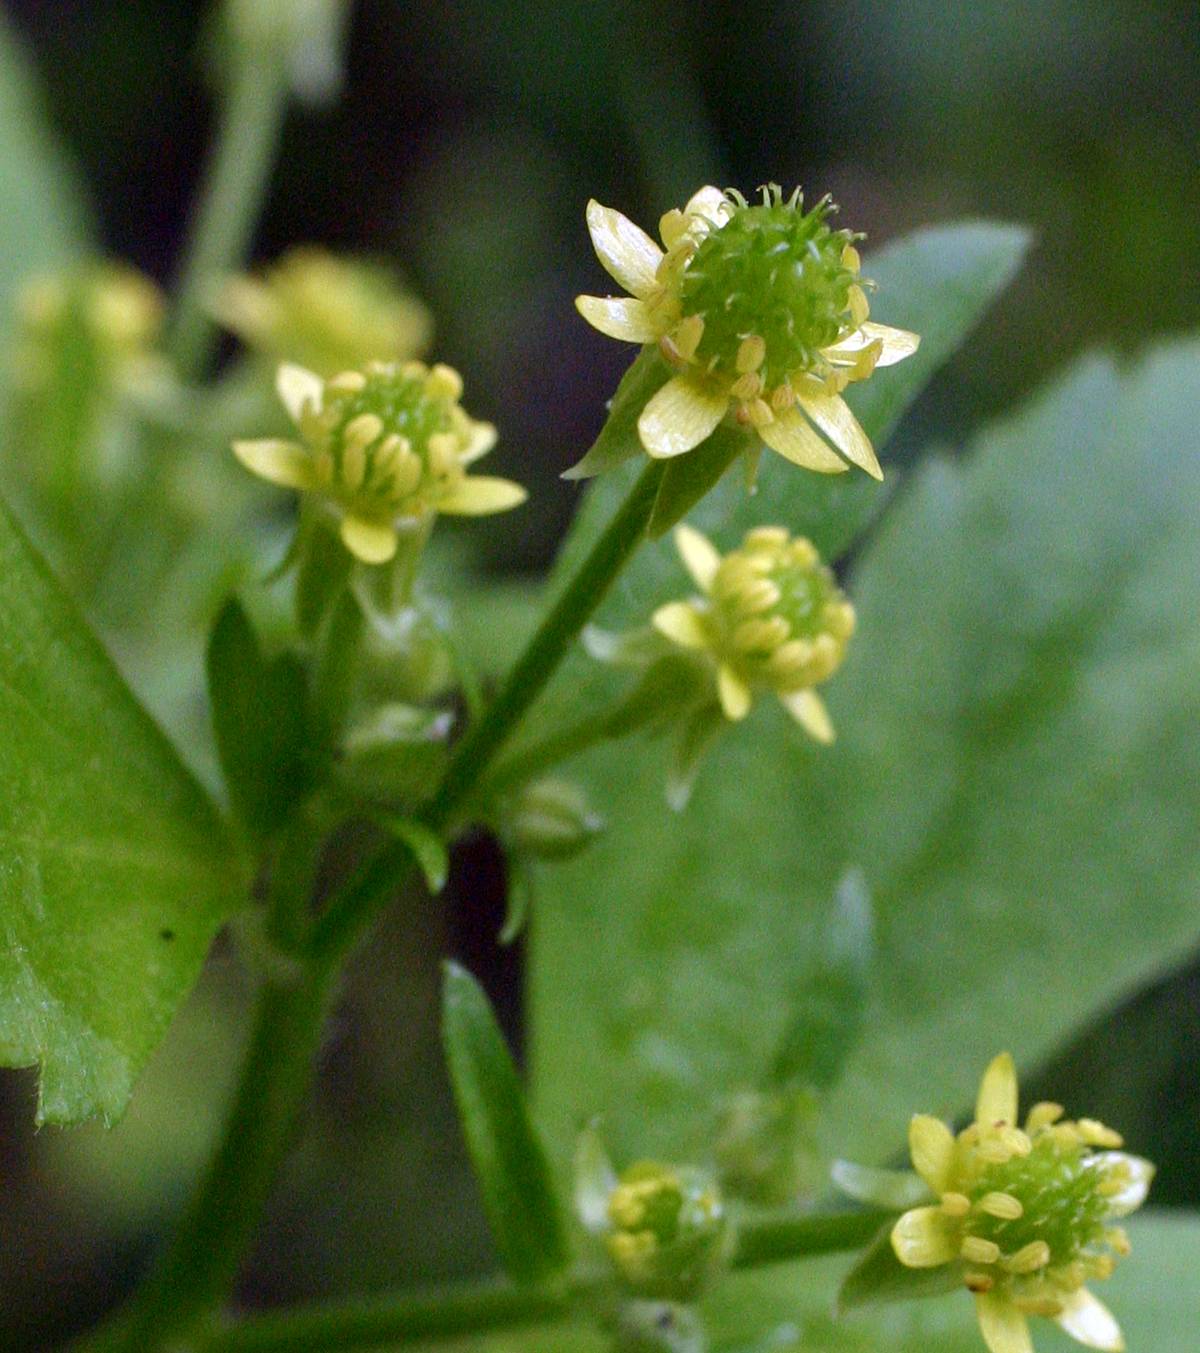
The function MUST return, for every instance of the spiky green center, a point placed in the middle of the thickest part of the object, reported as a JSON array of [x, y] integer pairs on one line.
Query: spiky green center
[[400, 401], [1061, 1198], [775, 271]]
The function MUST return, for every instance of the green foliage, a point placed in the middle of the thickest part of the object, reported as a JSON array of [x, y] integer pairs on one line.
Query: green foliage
[[510, 1163], [117, 871], [428, 849], [259, 713]]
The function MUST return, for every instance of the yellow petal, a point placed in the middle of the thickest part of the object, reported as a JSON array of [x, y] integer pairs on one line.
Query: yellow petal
[[733, 692], [924, 1237], [373, 542], [709, 203], [1089, 1322], [699, 555], [298, 389], [1004, 1328], [808, 709], [628, 254], [832, 415], [482, 438], [679, 417], [997, 1102], [931, 1145], [793, 437], [680, 623], [480, 496], [622, 317], [894, 344], [1139, 1172], [281, 462]]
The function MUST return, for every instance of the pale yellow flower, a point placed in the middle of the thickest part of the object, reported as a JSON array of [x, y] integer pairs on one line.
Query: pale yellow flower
[[760, 309], [1025, 1214], [379, 447], [323, 312], [771, 617]]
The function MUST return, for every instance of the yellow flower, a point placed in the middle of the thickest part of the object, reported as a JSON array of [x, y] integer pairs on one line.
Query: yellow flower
[[1025, 1213], [771, 617], [760, 310], [325, 313], [382, 446]]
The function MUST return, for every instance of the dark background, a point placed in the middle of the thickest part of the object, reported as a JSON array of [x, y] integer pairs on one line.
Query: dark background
[[468, 140]]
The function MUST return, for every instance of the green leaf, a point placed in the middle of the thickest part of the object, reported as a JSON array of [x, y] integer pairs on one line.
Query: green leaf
[[43, 220], [705, 921], [509, 1160], [259, 713], [828, 1008], [115, 870], [427, 848]]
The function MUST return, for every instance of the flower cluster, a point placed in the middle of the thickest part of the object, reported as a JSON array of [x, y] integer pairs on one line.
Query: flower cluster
[[771, 617], [1026, 1213], [760, 309], [325, 313], [381, 447]]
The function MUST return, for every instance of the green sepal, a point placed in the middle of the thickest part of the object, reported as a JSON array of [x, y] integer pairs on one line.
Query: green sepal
[[898, 1189], [259, 721], [689, 477], [395, 753], [427, 848], [699, 731], [618, 440], [828, 1006], [510, 1161], [518, 898], [878, 1277]]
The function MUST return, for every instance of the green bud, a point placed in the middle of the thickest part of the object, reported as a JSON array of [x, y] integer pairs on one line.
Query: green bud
[[551, 820], [667, 1230]]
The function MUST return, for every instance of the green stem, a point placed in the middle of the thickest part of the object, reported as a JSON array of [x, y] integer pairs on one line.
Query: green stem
[[381, 876], [557, 632], [197, 1270], [537, 757], [232, 198], [391, 1320]]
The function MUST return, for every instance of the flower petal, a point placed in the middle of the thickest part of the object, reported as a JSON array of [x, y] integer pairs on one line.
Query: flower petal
[[931, 1145], [997, 1101], [282, 462], [733, 692], [680, 623], [628, 254], [808, 709], [1089, 1322], [1004, 1328], [792, 435], [924, 1237], [832, 415], [480, 496], [679, 417], [482, 439], [699, 555], [1140, 1173], [373, 542], [622, 317], [298, 389], [710, 203]]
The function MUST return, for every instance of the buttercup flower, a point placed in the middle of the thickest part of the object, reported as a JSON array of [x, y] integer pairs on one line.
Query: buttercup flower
[[760, 309], [1025, 1213], [771, 617], [325, 313], [379, 447]]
